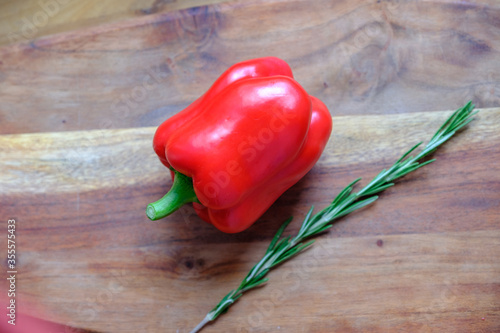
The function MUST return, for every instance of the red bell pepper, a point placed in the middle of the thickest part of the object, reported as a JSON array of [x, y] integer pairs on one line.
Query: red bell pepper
[[238, 147]]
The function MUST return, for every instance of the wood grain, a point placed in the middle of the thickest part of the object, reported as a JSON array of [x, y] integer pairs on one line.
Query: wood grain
[[359, 57], [424, 258], [81, 96], [30, 19]]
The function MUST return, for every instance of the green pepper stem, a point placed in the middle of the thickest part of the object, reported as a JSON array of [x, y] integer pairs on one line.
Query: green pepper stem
[[180, 193]]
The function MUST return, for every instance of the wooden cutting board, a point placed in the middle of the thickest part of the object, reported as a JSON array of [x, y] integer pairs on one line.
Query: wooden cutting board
[[77, 170], [425, 257]]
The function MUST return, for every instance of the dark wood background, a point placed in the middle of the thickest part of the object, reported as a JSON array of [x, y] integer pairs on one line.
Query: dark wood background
[[84, 84]]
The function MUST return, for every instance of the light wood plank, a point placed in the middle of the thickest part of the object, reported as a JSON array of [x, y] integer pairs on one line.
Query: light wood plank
[[68, 162]]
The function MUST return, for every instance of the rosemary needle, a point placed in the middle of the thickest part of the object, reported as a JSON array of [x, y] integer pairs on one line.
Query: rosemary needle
[[282, 249]]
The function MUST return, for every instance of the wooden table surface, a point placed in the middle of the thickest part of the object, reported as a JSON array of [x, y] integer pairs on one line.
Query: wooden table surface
[[82, 95]]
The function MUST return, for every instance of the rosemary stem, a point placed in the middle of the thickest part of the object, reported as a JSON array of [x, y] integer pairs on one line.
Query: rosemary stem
[[282, 249], [202, 323]]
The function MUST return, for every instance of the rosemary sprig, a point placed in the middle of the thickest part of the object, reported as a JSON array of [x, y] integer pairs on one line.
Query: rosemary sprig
[[282, 249]]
